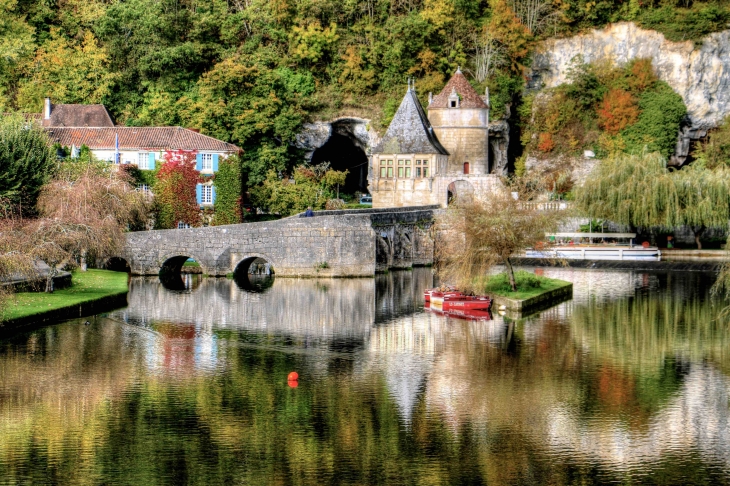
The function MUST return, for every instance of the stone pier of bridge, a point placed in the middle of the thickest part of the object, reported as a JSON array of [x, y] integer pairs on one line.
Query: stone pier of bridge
[[349, 243]]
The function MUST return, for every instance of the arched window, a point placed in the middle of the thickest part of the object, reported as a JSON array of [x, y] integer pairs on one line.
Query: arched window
[[466, 167]]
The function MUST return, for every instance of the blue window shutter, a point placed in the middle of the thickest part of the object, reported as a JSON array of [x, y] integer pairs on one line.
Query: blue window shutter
[[199, 193], [215, 162], [199, 162], [213, 194], [151, 165]]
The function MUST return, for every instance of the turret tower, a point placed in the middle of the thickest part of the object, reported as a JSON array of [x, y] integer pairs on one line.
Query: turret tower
[[460, 119]]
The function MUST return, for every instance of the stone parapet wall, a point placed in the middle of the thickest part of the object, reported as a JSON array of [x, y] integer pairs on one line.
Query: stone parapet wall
[[329, 245]]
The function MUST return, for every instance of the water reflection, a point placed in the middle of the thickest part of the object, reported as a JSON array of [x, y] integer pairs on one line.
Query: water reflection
[[626, 382]]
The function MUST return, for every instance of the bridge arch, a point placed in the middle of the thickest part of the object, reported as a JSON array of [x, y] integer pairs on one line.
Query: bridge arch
[[244, 265], [117, 264], [172, 263]]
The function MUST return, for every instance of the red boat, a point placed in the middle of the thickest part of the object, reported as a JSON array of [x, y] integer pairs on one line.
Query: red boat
[[462, 302], [451, 292], [469, 314]]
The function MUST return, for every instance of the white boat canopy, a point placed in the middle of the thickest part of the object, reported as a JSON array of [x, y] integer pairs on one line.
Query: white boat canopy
[[592, 235]]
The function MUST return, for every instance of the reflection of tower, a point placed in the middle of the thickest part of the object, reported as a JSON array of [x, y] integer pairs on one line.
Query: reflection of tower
[[460, 118], [405, 352]]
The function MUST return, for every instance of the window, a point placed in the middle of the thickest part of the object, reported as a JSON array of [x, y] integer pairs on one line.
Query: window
[[383, 171], [207, 160], [466, 167], [390, 171], [181, 225], [425, 172], [400, 171], [143, 160], [206, 195], [453, 103], [408, 171], [143, 188], [390, 162], [401, 162], [418, 171]]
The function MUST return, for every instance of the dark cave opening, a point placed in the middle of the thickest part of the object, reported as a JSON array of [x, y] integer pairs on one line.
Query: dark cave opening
[[343, 154]]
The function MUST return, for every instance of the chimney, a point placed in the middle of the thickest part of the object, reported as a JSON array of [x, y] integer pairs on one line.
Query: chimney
[[430, 97], [47, 109]]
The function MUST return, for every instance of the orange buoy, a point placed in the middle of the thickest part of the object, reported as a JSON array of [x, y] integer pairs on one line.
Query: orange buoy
[[293, 383], [293, 376]]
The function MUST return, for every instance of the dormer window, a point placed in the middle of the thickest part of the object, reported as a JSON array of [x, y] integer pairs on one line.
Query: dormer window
[[453, 99]]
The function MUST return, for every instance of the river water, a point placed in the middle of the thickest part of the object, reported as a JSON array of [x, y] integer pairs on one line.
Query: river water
[[628, 383]]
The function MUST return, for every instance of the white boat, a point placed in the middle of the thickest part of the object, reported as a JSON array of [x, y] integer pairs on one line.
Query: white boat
[[598, 251]]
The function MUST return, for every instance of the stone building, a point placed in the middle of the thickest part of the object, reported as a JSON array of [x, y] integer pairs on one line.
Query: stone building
[[430, 159]]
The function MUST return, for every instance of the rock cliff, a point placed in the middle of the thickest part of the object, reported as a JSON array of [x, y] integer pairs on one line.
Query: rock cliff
[[699, 72]]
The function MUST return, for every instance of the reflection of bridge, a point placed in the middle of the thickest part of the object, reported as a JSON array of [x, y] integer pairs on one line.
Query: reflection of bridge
[[352, 243]]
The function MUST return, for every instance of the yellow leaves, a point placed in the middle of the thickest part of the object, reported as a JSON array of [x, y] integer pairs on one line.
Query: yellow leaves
[[68, 71], [311, 43], [439, 13]]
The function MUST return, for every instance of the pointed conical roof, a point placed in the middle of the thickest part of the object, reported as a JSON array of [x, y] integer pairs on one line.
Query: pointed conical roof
[[410, 131], [469, 98]]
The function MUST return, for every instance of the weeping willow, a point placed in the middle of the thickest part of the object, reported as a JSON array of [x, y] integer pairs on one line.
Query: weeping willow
[[638, 190]]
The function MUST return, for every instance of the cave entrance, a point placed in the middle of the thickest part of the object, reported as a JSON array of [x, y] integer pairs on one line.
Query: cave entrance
[[344, 153]]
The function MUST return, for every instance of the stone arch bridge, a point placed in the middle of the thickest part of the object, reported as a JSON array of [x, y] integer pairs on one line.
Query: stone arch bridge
[[349, 243]]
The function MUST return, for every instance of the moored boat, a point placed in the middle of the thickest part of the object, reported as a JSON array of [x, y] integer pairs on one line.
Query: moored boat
[[446, 302], [450, 291]]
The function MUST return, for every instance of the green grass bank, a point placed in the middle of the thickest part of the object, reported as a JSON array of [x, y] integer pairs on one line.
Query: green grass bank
[[90, 292], [532, 290]]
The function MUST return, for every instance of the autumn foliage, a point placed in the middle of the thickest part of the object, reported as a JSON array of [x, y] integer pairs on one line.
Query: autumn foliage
[[545, 142], [175, 190], [618, 110]]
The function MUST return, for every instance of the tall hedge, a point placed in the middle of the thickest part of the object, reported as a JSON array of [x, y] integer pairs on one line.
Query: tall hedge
[[228, 190]]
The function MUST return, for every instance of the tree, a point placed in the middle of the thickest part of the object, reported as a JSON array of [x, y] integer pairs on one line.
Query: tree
[[68, 71], [308, 187], [476, 233], [175, 198], [617, 111], [26, 162], [638, 190], [80, 216]]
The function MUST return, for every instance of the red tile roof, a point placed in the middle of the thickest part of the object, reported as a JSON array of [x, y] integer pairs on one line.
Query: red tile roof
[[134, 138], [468, 97], [79, 116]]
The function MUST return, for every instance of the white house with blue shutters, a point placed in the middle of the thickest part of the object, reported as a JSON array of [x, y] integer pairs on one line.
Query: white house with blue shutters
[[145, 147]]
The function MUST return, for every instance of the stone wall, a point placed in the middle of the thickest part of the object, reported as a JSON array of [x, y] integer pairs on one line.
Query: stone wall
[[334, 245]]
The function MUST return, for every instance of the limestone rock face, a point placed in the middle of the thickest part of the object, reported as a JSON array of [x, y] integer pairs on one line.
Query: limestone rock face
[[358, 130], [699, 73]]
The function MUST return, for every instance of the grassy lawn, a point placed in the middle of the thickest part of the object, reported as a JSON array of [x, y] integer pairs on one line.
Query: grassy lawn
[[85, 287], [528, 285], [191, 264]]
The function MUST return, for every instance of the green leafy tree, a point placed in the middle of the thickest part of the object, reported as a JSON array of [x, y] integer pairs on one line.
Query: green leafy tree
[[308, 187], [661, 111], [255, 105], [27, 161]]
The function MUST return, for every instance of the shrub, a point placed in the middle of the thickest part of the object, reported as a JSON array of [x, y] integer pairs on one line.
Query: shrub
[[500, 282], [546, 142], [617, 111], [657, 127]]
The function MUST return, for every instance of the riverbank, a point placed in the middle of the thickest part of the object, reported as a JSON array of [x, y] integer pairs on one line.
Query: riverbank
[[90, 292]]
